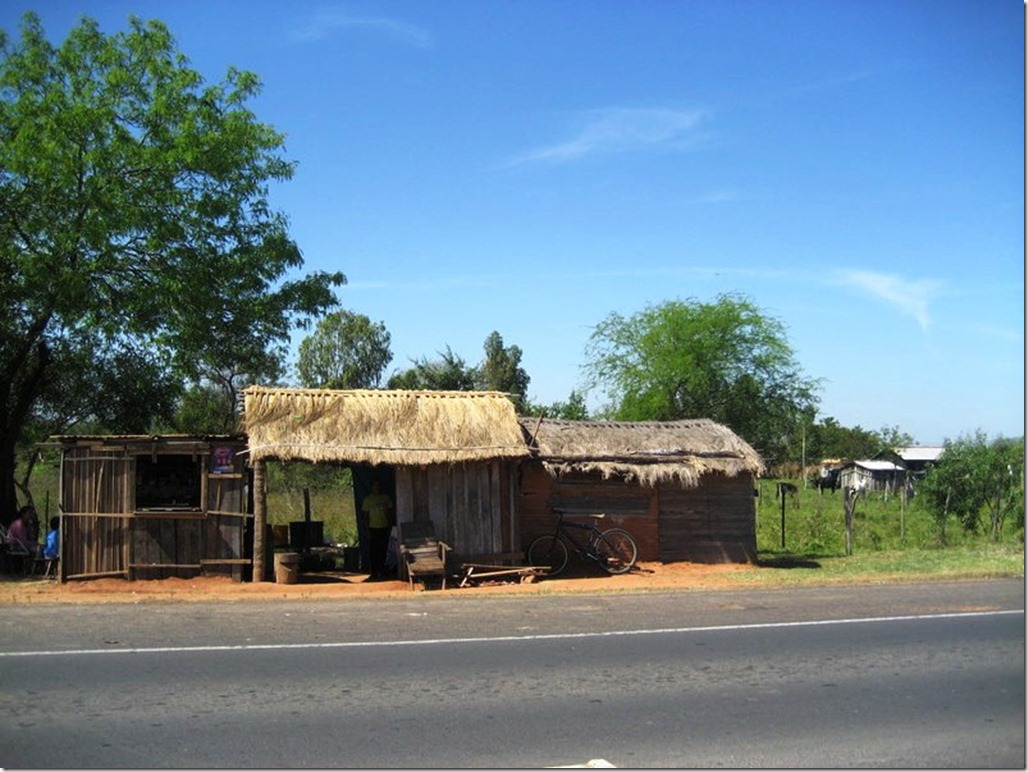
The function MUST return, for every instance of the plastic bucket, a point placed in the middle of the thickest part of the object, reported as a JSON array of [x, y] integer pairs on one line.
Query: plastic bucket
[[287, 567]]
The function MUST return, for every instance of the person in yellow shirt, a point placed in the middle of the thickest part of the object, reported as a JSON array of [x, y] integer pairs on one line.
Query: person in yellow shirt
[[378, 509]]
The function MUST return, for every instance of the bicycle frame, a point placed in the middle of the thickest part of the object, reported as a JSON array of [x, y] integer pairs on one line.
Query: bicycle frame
[[614, 550], [564, 529]]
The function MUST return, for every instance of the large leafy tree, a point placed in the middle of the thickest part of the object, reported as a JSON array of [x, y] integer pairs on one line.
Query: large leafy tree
[[345, 351], [727, 360], [501, 370], [135, 219]]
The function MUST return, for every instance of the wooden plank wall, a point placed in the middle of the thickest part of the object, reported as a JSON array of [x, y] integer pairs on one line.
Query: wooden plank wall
[[714, 523], [93, 546], [96, 496], [626, 505], [165, 546], [470, 504]]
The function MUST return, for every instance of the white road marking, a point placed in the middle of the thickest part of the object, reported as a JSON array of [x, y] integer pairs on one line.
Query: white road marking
[[590, 764], [509, 638]]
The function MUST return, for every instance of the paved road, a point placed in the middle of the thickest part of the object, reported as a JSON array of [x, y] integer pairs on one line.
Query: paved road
[[889, 675]]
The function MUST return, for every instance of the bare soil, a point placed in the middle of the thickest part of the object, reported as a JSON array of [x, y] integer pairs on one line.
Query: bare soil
[[339, 585]]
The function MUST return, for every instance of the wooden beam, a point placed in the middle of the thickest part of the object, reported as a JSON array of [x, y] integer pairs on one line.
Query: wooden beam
[[97, 575]]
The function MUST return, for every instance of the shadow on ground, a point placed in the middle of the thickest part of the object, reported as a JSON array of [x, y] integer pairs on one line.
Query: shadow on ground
[[788, 561]]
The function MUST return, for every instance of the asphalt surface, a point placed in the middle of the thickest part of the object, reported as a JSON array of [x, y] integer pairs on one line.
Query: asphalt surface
[[878, 676]]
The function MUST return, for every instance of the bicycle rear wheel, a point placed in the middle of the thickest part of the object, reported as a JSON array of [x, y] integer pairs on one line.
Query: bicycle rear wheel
[[616, 550], [548, 551]]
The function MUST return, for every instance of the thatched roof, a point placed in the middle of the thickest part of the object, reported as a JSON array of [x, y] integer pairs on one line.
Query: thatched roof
[[411, 428], [649, 451]]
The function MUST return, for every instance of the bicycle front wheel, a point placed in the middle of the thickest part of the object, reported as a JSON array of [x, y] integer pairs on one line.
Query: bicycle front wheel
[[550, 552], [616, 550]]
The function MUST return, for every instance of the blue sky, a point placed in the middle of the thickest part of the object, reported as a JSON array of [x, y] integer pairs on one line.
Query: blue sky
[[856, 168]]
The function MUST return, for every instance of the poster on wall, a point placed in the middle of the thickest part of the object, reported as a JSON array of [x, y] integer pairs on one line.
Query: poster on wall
[[221, 460]]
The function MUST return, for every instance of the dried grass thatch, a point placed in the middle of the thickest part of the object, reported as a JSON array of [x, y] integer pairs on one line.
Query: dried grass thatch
[[412, 428], [648, 451]]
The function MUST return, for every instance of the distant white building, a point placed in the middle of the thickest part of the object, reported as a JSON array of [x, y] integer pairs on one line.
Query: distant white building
[[872, 475], [917, 458]]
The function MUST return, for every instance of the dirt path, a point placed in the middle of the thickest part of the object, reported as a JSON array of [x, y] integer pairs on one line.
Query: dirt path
[[646, 576]]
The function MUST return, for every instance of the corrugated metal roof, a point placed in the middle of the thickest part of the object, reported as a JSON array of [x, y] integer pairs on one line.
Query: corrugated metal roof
[[874, 465], [920, 452]]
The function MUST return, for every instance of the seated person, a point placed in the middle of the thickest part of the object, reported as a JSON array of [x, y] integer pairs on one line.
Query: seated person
[[52, 548], [18, 539]]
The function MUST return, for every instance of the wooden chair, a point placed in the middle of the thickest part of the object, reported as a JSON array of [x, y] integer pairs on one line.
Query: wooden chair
[[423, 555]]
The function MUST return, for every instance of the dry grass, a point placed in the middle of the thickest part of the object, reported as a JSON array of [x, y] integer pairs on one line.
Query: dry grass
[[381, 427], [648, 451]]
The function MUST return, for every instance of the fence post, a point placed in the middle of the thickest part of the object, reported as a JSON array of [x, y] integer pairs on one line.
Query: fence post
[[849, 504]]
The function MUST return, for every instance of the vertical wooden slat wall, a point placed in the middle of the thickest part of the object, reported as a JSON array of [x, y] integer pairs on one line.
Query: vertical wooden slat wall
[[95, 502], [469, 504]]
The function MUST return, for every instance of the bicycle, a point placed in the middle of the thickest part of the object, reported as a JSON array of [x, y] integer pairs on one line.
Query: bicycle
[[614, 549]]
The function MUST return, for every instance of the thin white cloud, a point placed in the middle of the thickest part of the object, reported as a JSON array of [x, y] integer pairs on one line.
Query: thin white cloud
[[910, 298], [323, 24], [619, 130]]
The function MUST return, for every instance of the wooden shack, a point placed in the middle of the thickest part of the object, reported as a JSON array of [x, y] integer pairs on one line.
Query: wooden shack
[[452, 456], [152, 507], [683, 489], [873, 475]]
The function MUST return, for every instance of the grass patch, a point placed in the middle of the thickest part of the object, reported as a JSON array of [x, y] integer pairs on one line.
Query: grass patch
[[985, 561], [892, 540]]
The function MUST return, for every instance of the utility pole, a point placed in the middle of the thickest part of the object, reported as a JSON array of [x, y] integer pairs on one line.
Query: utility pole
[[803, 456]]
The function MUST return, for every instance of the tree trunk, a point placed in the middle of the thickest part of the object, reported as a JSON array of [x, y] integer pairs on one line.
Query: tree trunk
[[260, 518], [8, 491], [21, 382], [997, 513]]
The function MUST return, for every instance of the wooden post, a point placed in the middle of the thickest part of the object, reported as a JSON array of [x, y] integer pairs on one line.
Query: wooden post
[[849, 504], [782, 491], [260, 518], [903, 504]]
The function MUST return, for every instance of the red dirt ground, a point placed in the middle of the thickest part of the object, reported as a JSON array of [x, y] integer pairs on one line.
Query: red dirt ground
[[646, 576]]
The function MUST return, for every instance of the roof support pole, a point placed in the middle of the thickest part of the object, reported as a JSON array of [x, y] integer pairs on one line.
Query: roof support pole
[[260, 518]]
